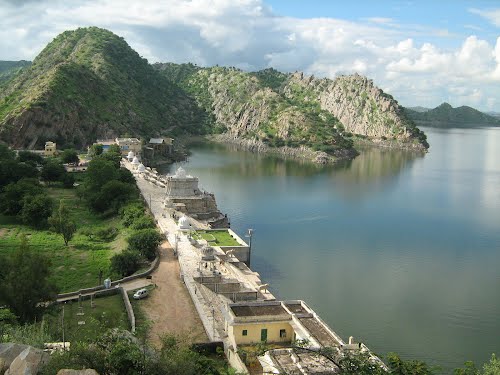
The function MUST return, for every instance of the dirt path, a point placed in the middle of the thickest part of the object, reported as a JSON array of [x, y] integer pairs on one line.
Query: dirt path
[[169, 308]]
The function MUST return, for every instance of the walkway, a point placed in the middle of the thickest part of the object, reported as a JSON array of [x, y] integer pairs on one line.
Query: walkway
[[169, 307]]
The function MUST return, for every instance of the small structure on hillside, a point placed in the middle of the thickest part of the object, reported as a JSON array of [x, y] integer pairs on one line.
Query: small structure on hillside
[[135, 163], [141, 168], [50, 149], [159, 147], [130, 156], [129, 144]]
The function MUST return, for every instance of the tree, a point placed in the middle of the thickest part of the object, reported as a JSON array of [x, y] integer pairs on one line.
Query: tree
[[70, 156], [13, 170], [30, 157], [12, 198], [61, 223], [36, 209], [126, 262], [146, 242], [96, 150], [6, 153], [131, 212], [410, 367], [26, 282], [53, 171], [143, 222]]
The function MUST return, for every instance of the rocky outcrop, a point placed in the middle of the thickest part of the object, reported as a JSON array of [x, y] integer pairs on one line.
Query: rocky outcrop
[[28, 362], [361, 107], [8, 352], [77, 372]]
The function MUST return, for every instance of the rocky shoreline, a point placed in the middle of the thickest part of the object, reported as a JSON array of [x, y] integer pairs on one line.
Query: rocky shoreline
[[301, 153]]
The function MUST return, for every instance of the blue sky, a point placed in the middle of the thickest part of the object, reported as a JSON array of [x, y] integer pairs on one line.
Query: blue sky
[[422, 52]]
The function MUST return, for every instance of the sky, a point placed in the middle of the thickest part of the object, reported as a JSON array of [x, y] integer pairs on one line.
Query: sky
[[422, 52]]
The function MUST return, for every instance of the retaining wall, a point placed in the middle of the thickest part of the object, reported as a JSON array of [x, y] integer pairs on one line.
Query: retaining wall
[[128, 307], [153, 267]]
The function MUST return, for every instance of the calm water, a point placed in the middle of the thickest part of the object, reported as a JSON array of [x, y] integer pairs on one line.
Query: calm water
[[401, 251]]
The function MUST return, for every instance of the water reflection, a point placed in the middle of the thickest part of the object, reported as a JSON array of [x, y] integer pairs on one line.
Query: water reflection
[[397, 249]]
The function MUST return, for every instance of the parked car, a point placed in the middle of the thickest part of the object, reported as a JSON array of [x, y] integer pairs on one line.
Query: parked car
[[141, 293]]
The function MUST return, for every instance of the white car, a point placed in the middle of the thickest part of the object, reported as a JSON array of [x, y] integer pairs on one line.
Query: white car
[[141, 293]]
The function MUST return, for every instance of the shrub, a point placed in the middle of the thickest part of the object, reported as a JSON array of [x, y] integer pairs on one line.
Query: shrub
[[125, 263], [131, 212], [143, 222]]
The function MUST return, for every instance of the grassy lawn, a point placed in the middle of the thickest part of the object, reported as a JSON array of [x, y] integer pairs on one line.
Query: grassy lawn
[[108, 312], [217, 237], [76, 266]]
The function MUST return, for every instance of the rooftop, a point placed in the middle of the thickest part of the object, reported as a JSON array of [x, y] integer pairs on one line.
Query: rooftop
[[320, 333], [258, 310], [296, 308], [302, 362]]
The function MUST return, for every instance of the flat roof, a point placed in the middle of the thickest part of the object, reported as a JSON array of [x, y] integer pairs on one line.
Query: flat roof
[[258, 310], [319, 332], [296, 308], [310, 363]]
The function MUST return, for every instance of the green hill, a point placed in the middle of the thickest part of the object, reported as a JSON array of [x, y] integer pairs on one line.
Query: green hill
[[280, 109], [88, 83], [9, 69], [444, 116]]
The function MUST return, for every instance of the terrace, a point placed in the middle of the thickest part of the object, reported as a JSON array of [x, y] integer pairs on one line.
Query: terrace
[[217, 237]]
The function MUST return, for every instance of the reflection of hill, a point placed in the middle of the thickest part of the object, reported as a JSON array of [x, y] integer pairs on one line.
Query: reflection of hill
[[374, 168]]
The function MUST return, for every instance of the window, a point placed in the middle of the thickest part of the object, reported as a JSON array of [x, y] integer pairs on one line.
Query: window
[[244, 332], [282, 333]]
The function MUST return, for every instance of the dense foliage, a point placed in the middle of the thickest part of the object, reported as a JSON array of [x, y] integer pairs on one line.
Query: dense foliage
[[25, 282]]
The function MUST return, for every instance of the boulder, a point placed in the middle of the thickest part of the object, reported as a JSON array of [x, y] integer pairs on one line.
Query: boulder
[[28, 362], [77, 372], [8, 352]]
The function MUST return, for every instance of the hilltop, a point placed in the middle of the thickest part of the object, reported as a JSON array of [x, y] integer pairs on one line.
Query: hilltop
[[445, 115], [88, 83]]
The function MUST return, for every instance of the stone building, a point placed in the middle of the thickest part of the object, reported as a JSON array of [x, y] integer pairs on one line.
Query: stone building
[[183, 194], [50, 149]]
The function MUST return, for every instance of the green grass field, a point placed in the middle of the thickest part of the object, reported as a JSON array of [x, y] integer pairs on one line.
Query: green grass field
[[218, 237], [108, 312], [76, 266]]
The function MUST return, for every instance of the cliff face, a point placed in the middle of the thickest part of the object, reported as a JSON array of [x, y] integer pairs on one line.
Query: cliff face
[[277, 109], [360, 106], [88, 83], [250, 109]]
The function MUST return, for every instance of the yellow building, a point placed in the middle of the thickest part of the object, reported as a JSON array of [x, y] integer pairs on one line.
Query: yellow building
[[129, 144], [254, 322], [50, 149]]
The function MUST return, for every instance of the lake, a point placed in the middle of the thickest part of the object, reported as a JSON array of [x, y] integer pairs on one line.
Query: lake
[[399, 250]]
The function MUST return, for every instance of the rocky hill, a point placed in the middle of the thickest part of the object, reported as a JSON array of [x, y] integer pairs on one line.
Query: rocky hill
[[445, 116], [89, 83], [277, 109], [9, 69]]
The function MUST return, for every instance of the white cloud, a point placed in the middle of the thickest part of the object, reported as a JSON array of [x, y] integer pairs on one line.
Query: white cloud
[[247, 34], [492, 15]]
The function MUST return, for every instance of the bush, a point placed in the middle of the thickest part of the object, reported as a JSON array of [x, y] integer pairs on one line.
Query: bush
[[143, 222], [146, 242], [125, 263], [106, 233], [131, 212]]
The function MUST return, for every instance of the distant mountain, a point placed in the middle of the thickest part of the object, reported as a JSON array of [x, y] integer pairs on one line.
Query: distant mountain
[[88, 83], [419, 109], [445, 116], [8, 69]]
